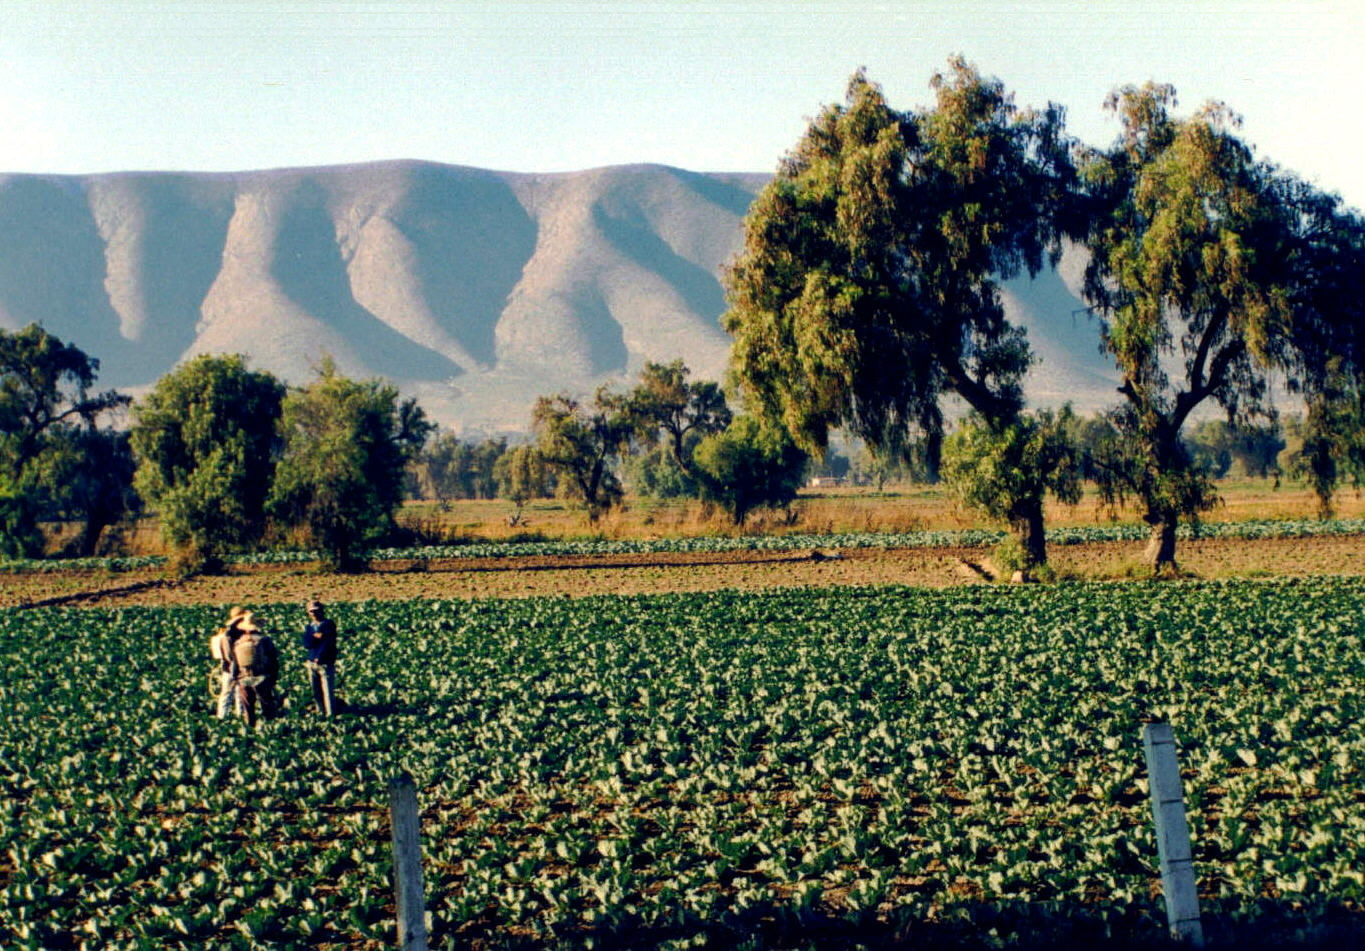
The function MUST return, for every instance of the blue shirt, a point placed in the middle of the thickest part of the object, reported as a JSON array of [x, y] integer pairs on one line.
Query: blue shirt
[[320, 640]]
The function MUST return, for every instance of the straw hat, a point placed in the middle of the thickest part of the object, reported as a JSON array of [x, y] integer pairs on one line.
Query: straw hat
[[247, 622]]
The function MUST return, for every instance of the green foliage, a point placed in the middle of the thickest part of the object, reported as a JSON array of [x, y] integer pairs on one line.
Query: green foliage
[[205, 443], [1011, 556], [450, 468], [582, 444], [916, 462], [20, 536], [748, 466], [653, 473], [1325, 265], [90, 472], [340, 475], [1005, 471], [45, 404], [867, 286], [1216, 446], [1210, 447], [1211, 271], [522, 475], [724, 767], [671, 418], [867, 289], [666, 409], [1096, 440], [1324, 447]]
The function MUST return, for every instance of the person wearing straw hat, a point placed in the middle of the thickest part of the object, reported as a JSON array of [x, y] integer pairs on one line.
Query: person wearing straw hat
[[320, 641], [220, 648], [255, 668]]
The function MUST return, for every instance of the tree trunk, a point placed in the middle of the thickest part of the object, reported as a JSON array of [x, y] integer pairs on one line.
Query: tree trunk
[[1027, 526], [1160, 551], [90, 534]]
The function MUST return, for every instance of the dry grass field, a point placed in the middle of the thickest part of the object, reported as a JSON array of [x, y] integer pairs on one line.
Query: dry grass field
[[899, 509]]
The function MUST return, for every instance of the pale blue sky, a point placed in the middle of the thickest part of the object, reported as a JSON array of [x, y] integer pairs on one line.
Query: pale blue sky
[[712, 85]]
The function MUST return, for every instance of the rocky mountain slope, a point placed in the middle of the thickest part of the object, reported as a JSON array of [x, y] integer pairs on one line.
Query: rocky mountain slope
[[473, 290]]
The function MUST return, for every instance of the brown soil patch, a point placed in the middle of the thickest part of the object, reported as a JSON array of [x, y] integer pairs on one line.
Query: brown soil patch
[[577, 576]]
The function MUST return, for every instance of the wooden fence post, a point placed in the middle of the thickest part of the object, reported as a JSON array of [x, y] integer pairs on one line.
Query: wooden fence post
[[407, 864], [1172, 834]]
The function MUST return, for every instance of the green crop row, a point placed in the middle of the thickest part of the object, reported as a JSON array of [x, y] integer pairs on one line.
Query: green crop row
[[696, 770], [777, 543]]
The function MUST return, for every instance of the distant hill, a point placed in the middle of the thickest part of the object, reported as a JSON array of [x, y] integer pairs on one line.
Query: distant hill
[[473, 290]]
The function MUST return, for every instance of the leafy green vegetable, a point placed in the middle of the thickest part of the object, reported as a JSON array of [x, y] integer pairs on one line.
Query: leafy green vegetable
[[694, 764]]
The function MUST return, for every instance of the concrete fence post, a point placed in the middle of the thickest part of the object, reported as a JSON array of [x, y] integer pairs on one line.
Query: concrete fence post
[[407, 864], [1172, 834]]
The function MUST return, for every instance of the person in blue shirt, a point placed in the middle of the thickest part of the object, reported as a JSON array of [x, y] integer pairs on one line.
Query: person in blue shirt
[[320, 641]]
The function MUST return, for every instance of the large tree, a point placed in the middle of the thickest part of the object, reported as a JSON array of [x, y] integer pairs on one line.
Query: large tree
[[45, 400], [671, 411], [1203, 273], [346, 444], [867, 288], [90, 475], [1326, 280], [206, 444], [583, 443], [749, 465]]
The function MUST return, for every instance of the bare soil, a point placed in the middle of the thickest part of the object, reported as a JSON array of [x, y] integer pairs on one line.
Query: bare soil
[[578, 576]]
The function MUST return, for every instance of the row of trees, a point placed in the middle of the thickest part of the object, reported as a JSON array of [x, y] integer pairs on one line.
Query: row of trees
[[231, 458], [450, 468], [691, 444], [867, 294], [226, 455]]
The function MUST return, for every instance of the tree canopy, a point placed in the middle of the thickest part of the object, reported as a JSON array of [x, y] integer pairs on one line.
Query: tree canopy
[[1326, 264], [583, 443], [749, 465], [45, 408], [666, 408], [1001, 470], [346, 444], [1206, 275], [205, 443], [867, 288]]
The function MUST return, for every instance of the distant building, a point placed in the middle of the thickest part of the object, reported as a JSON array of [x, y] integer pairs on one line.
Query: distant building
[[827, 482]]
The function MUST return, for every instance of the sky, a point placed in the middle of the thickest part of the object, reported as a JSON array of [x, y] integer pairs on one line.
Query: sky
[[92, 86]]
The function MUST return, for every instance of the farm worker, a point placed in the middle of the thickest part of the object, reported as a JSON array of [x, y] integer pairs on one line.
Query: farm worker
[[255, 667], [220, 648], [320, 641]]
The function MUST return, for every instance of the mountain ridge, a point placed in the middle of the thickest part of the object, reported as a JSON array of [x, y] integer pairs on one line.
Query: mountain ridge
[[474, 290]]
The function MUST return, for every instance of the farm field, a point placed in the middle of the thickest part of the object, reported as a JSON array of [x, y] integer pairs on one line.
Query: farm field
[[806, 767], [702, 565], [659, 547]]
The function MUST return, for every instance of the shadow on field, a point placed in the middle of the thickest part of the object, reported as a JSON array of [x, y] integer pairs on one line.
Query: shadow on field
[[1014, 925], [632, 562]]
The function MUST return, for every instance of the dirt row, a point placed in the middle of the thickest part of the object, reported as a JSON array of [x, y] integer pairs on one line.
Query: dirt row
[[577, 576]]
